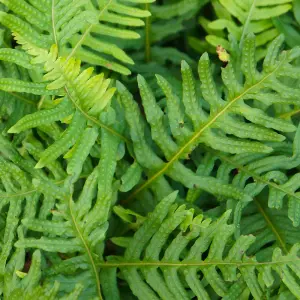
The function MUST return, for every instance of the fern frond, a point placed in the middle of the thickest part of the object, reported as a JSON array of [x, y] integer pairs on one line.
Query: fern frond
[[271, 227], [239, 18], [158, 264], [255, 172], [15, 182], [78, 222], [83, 24], [85, 94], [192, 123]]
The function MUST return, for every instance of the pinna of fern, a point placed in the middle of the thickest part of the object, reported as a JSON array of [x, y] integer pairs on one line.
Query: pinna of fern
[[15, 67], [176, 255], [166, 24], [233, 123], [55, 212], [83, 136], [271, 227], [78, 225], [78, 27]]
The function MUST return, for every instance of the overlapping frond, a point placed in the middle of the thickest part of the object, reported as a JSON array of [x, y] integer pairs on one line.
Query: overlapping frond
[[213, 161], [230, 120], [79, 28], [176, 255], [83, 97], [69, 220], [253, 173], [239, 18], [271, 227], [273, 214]]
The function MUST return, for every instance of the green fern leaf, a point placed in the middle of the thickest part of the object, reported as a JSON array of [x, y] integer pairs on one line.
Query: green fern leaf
[[80, 23], [214, 128], [157, 268], [252, 17]]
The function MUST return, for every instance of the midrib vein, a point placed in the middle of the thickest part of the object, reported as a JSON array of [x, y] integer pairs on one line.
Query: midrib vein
[[53, 22], [209, 123], [94, 120], [87, 31], [87, 249], [86, 115], [256, 176], [183, 264], [28, 101], [270, 224]]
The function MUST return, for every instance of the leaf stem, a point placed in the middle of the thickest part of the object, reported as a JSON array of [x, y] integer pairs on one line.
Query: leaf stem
[[94, 120], [289, 114], [53, 23], [86, 246], [272, 226], [87, 31], [28, 101], [148, 35], [191, 264], [255, 176]]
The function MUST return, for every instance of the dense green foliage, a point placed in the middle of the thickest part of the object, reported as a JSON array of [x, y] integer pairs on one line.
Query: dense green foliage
[[149, 150]]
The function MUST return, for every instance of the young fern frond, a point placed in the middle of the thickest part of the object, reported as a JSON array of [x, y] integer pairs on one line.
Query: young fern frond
[[239, 18], [176, 255], [81, 24], [230, 123], [85, 97]]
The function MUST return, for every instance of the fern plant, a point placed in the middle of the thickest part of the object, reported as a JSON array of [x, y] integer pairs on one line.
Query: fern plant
[[124, 176]]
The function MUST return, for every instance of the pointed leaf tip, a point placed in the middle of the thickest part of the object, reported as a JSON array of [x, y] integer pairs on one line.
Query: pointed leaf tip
[[171, 197], [39, 165], [120, 86], [159, 77], [12, 130], [204, 56], [250, 35], [175, 193], [184, 65], [227, 214], [141, 79]]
